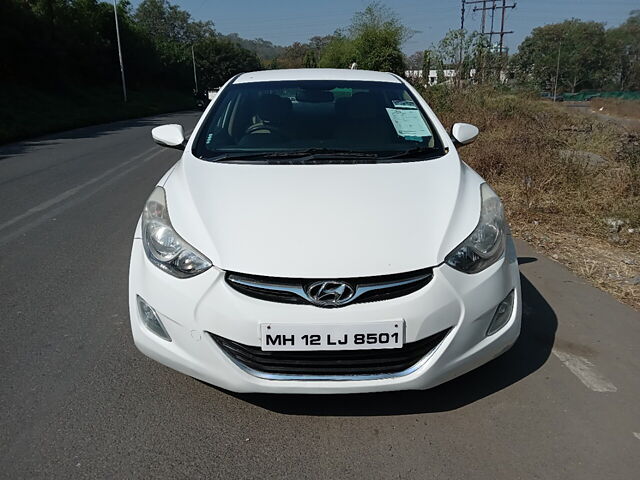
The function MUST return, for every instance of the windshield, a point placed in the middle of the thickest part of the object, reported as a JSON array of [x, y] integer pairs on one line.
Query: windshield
[[329, 119]]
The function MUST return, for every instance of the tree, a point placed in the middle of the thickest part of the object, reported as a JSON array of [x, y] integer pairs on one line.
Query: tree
[[440, 71], [378, 35], [581, 48], [338, 53], [318, 43], [484, 60], [273, 64], [427, 57], [219, 59], [76, 46], [165, 22], [414, 61], [310, 60], [294, 55], [373, 41], [624, 44], [264, 49], [458, 50]]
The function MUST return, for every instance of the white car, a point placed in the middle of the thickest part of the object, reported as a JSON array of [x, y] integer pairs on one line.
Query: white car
[[320, 234]]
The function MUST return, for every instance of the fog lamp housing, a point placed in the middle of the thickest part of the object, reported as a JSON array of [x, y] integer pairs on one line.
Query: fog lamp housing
[[151, 319], [502, 314]]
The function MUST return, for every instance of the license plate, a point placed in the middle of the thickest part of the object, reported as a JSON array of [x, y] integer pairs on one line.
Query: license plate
[[362, 336]]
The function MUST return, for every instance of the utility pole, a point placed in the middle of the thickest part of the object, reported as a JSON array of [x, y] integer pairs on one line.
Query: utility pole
[[555, 85], [484, 15], [195, 76], [124, 85], [502, 31], [461, 39], [483, 9], [493, 9], [493, 14], [504, 9]]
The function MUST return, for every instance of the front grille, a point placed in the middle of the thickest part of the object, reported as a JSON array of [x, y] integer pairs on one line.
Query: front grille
[[295, 290], [330, 362]]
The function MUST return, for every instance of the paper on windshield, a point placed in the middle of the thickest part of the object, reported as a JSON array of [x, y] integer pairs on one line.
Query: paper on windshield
[[403, 104], [408, 122]]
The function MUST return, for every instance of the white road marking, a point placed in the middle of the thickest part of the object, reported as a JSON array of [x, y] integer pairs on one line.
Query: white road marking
[[57, 201], [583, 369], [72, 191], [637, 435], [59, 207]]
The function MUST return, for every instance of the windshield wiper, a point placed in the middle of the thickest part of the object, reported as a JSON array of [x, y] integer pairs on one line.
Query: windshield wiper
[[415, 152], [296, 156], [231, 156], [322, 153]]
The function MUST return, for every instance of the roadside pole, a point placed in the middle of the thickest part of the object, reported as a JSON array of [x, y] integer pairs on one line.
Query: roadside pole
[[124, 85], [195, 76], [555, 85]]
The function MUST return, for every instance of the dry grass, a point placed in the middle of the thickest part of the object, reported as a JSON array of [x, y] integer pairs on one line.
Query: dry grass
[[609, 267], [618, 107], [567, 177]]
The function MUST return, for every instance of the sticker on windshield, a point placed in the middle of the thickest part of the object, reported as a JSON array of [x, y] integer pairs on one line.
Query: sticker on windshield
[[408, 122], [404, 104]]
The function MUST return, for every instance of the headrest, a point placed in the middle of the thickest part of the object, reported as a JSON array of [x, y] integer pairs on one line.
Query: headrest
[[273, 108], [342, 106], [363, 105]]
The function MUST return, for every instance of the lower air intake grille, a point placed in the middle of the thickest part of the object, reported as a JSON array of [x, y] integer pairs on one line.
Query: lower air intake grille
[[333, 362]]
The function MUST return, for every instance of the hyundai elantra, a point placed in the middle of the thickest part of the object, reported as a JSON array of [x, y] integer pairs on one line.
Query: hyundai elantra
[[320, 234]]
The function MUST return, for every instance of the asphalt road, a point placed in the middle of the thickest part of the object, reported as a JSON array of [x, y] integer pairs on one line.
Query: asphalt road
[[77, 400]]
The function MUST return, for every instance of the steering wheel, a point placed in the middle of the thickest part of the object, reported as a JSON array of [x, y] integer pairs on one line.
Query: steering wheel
[[264, 126]]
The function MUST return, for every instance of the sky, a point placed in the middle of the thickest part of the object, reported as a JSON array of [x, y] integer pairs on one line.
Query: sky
[[286, 21]]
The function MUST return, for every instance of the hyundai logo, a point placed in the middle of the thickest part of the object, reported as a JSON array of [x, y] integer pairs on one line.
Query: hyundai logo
[[330, 293]]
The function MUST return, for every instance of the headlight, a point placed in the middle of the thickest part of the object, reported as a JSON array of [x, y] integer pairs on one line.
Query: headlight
[[164, 247], [486, 243]]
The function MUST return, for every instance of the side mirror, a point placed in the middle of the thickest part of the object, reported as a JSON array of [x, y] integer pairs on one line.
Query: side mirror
[[464, 133], [171, 136]]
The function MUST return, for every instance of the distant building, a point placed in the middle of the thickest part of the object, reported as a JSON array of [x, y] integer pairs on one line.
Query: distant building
[[449, 75]]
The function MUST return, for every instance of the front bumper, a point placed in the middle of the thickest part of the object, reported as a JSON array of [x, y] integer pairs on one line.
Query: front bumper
[[190, 308]]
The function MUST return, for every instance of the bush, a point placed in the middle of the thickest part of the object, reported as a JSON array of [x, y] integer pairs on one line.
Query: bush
[[26, 112], [566, 170]]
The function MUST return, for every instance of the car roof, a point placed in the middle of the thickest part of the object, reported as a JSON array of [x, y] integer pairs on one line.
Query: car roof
[[316, 74]]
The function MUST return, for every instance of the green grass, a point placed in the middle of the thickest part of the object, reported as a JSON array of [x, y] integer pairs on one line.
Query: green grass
[[27, 112]]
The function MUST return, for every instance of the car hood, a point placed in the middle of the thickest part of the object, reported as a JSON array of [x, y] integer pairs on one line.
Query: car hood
[[324, 221]]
